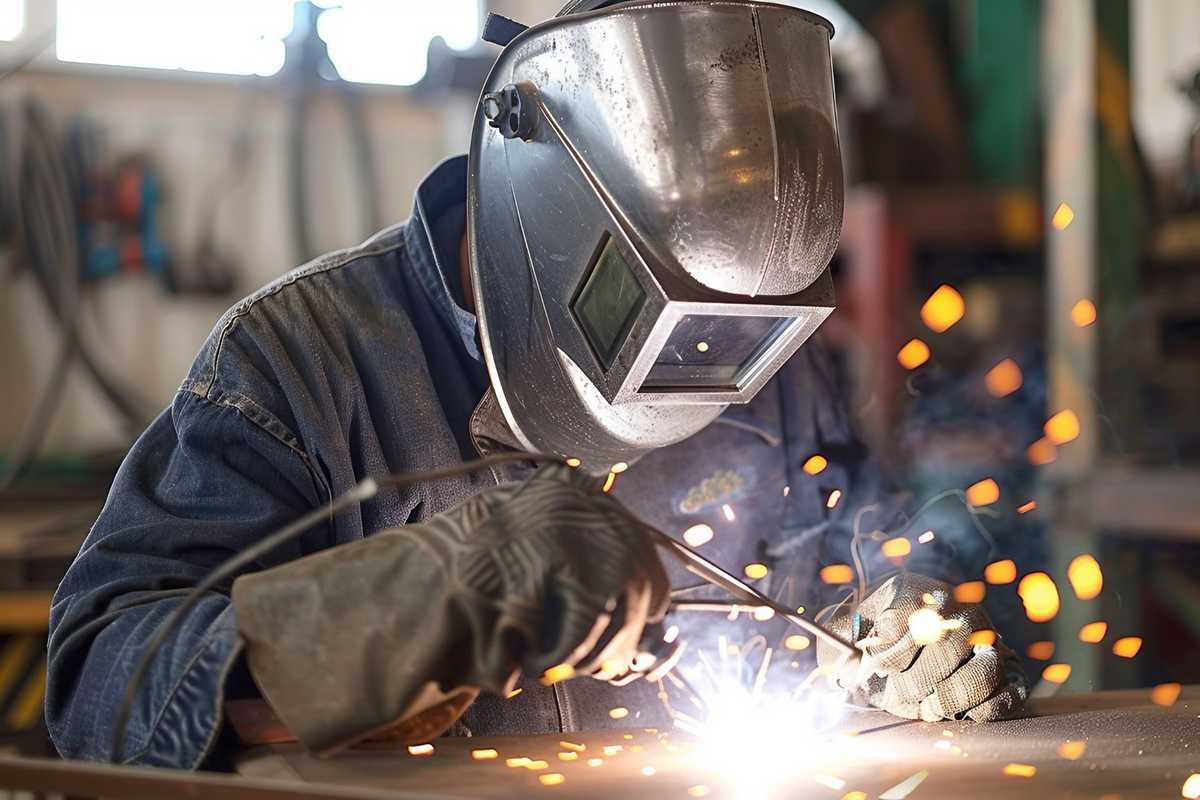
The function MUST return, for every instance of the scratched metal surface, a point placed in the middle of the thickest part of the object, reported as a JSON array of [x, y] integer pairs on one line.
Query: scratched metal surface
[[1134, 749]]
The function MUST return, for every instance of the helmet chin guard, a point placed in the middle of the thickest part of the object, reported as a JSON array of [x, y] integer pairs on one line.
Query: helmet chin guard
[[654, 195]]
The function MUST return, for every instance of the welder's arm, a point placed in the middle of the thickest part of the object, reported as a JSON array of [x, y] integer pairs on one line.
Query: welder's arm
[[926, 666], [402, 630], [202, 483]]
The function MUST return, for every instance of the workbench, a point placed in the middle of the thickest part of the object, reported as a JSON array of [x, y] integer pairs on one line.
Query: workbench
[[1132, 748]]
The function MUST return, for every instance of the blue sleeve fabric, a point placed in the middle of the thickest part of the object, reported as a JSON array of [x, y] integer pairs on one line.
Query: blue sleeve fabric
[[167, 523]]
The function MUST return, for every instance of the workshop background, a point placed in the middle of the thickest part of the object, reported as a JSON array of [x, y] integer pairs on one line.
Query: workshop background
[[1019, 300]]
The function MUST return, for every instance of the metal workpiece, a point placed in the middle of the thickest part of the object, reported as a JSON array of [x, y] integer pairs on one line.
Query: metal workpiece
[[657, 245]]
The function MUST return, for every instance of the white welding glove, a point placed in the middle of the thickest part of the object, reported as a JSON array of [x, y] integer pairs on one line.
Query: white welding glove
[[922, 667]]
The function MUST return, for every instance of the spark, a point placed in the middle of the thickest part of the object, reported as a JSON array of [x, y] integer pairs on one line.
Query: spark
[[755, 571], [815, 464], [595, 762], [1085, 576], [699, 790], [943, 309], [1027, 507], [698, 535], [926, 537], [970, 592], [608, 482], [897, 548], [913, 354], [485, 754], [984, 638], [534, 766], [513, 693], [1063, 427], [834, 497], [574, 462], [618, 468], [420, 749], [516, 762], [1191, 787], [578, 748], [1165, 694], [672, 634], [983, 493], [555, 674], [1093, 632], [620, 712], [1003, 379], [1039, 595], [1041, 651], [1041, 452], [837, 574], [763, 613], [1000, 572], [727, 510], [1063, 216], [648, 771], [854, 796], [551, 778], [568, 755], [787, 490], [612, 749], [1083, 313], [905, 787], [702, 347], [1057, 673], [1072, 750], [797, 642], [1127, 647], [1020, 770]]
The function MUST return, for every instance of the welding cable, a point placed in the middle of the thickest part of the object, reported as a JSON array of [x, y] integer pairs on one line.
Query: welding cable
[[364, 490]]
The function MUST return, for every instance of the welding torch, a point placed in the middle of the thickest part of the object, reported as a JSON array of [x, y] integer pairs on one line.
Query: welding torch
[[709, 572]]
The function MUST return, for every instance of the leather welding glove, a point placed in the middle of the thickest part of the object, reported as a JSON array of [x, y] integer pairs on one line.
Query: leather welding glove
[[399, 632], [925, 667]]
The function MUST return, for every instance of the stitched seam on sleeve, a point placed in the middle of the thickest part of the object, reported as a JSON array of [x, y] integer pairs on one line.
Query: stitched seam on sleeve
[[321, 266]]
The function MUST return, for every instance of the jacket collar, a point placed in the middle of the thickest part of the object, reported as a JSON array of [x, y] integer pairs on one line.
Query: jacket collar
[[442, 188]]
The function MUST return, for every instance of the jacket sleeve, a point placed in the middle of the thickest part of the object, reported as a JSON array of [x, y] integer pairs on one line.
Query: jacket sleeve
[[203, 482]]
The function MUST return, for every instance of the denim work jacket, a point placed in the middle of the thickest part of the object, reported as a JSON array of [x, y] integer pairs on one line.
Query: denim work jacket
[[358, 363]]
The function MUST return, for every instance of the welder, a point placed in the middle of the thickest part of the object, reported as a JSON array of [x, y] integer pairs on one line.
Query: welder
[[626, 270]]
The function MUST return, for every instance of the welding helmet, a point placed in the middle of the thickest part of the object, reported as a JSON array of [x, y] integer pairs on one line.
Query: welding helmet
[[654, 196]]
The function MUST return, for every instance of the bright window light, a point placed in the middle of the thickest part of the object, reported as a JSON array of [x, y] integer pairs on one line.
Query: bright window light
[[384, 41], [12, 19], [235, 37]]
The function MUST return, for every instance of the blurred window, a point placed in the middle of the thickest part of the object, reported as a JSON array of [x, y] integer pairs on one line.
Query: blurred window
[[236, 37], [384, 41], [12, 19]]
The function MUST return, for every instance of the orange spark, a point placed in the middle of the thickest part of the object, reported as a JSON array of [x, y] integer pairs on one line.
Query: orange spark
[[574, 462], [620, 712], [755, 571], [1085, 576], [983, 493], [618, 468], [837, 574], [1063, 427], [1072, 750], [568, 755], [984, 637], [1003, 379], [516, 762], [1000, 572], [557, 673], [897, 548], [484, 755], [578, 748], [513, 693], [1063, 216], [595, 762], [1083, 313], [1165, 694], [1127, 647], [1057, 673], [815, 465], [699, 790], [1093, 632], [1041, 452], [970, 592], [420, 749], [1039, 595], [608, 482], [551, 778], [796, 642], [1027, 507], [913, 354], [943, 309], [1042, 651], [854, 796]]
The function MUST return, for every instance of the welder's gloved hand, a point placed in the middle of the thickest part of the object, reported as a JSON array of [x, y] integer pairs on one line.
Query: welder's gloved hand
[[399, 632], [925, 667]]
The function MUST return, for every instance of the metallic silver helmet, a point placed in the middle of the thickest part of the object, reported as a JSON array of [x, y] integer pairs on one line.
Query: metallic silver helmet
[[654, 195]]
